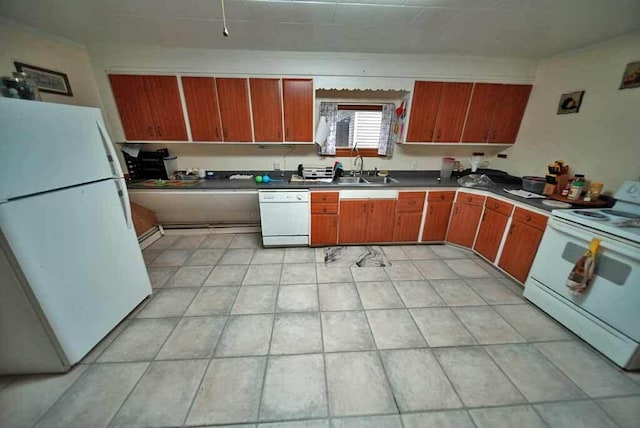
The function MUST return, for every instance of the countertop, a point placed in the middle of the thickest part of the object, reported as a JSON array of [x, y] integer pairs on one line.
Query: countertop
[[407, 179]]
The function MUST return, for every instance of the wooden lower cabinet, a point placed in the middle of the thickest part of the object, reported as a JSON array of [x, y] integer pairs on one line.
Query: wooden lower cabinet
[[437, 221], [324, 229], [490, 234], [366, 221], [464, 224], [520, 249], [407, 227]]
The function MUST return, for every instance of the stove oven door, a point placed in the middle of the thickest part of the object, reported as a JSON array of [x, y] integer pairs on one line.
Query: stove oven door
[[613, 296]]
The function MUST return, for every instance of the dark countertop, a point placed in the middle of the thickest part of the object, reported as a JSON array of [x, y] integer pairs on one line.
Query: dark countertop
[[407, 179]]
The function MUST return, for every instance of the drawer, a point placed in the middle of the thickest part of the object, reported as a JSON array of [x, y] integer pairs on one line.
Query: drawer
[[538, 221], [324, 197], [470, 198], [441, 196], [410, 202], [324, 208], [499, 206]]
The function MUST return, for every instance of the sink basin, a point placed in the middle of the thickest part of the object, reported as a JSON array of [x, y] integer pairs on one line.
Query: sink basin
[[351, 180], [380, 180]]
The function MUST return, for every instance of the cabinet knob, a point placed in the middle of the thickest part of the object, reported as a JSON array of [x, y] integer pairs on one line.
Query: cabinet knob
[[439, 134], [469, 199], [430, 134], [430, 210], [412, 202], [217, 133], [159, 131], [151, 133], [495, 206], [511, 229], [225, 134], [528, 218], [324, 197], [486, 135], [442, 197]]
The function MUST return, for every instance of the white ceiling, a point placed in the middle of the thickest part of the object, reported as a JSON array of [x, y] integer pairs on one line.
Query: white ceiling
[[512, 28]]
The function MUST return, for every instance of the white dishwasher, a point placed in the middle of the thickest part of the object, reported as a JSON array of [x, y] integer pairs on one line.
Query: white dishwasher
[[284, 216]]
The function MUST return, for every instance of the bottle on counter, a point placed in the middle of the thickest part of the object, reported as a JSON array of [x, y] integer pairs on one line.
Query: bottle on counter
[[577, 187]]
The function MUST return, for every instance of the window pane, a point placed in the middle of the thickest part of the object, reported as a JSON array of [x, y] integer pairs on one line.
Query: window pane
[[367, 129]]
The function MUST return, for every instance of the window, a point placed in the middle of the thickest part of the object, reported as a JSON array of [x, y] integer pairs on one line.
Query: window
[[358, 127]]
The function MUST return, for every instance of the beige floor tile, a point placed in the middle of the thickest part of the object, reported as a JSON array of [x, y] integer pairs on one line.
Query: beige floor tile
[[192, 338]]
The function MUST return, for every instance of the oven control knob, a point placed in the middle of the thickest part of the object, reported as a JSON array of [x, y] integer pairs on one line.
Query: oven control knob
[[299, 197]]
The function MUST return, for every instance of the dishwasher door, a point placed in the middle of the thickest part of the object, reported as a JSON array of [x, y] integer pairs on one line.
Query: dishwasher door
[[284, 218]]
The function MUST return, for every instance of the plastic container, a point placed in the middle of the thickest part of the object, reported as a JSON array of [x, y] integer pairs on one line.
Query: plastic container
[[534, 184], [576, 190], [447, 167]]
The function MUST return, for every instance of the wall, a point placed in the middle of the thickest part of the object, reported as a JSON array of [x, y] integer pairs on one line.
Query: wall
[[33, 47], [602, 141], [339, 71]]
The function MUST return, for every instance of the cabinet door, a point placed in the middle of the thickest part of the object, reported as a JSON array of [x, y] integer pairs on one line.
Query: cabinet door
[[380, 220], [424, 111], [482, 108], [407, 227], [509, 112], [233, 100], [353, 222], [453, 110], [266, 107], [133, 107], [324, 229], [490, 233], [520, 249], [437, 221], [464, 224], [202, 107], [166, 107], [298, 109]]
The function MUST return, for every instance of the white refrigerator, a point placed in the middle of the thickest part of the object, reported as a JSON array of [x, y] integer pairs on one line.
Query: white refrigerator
[[70, 265]]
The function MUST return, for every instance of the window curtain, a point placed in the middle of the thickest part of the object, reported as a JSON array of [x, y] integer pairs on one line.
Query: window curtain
[[330, 112], [387, 136]]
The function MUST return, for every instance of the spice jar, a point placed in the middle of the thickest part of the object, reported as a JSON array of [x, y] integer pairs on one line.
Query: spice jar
[[576, 190]]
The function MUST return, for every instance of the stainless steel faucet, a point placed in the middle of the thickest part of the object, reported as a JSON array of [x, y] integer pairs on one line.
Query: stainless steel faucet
[[361, 164]]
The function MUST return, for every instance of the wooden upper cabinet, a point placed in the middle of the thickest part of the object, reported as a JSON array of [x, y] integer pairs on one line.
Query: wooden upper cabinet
[[133, 106], [233, 101], [454, 101], [380, 219], [509, 112], [266, 106], [297, 95], [166, 107], [520, 249], [202, 107], [424, 111], [464, 224], [482, 108]]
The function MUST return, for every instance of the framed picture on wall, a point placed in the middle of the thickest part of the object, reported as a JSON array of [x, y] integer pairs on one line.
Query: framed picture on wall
[[570, 102], [631, 76], [49, 81]]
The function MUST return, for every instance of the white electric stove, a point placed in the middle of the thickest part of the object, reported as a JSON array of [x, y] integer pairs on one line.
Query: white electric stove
[[607, 314]]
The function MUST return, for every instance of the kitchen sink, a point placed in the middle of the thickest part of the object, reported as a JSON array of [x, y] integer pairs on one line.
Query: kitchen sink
[[351, 180], [380, 180]]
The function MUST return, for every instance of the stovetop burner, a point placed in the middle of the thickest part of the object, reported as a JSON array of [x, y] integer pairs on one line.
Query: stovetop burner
[[619, 213], [591, 215]]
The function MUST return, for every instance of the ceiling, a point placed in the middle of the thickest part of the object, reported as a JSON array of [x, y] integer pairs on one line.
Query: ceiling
[[509, 28]]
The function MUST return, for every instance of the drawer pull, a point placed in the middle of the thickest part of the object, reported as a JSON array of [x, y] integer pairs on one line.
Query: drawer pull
[[412, 202], [324, 197], [495, 205], [442, 197], [469, 198], [528, 218]]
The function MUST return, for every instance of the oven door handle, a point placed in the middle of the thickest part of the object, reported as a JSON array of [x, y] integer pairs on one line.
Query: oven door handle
[[585, 236]]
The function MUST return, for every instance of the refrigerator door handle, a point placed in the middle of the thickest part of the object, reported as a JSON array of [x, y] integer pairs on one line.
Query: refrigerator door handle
[[111, 153], [124, 199]]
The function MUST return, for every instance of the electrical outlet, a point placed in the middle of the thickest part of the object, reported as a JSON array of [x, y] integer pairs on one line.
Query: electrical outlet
[[414, 165], [276, 165]]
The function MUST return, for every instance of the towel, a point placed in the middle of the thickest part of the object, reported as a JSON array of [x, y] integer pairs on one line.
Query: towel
[[582, 272]]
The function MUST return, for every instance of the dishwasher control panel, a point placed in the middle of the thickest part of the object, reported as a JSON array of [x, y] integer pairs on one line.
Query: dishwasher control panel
[[269, 196]]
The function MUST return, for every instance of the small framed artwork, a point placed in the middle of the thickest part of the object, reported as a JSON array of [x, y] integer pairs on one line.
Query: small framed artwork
[[570, 103], [631, 76], [49, 81]]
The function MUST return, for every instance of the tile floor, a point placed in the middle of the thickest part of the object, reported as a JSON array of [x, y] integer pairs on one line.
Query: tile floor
[[239, 335]]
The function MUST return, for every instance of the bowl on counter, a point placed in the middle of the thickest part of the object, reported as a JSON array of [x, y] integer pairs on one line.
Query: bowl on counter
[[533, 184]]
